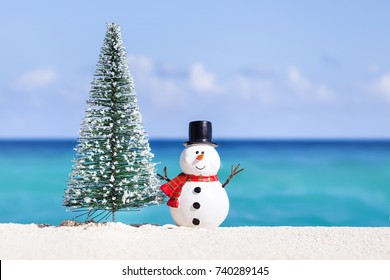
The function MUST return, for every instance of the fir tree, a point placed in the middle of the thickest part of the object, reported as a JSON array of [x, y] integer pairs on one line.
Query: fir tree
[[113, 168]]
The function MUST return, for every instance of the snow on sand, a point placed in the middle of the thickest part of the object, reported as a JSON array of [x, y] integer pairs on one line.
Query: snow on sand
[[119, 241]]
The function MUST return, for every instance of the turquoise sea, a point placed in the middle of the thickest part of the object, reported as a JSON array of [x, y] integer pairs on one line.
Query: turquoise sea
[[295, 183]]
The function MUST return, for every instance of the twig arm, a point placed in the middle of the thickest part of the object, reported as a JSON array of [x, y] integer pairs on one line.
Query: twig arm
[[165, 177], [234, 171]]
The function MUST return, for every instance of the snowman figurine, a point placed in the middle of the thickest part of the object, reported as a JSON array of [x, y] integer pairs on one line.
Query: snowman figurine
[[197, 198]]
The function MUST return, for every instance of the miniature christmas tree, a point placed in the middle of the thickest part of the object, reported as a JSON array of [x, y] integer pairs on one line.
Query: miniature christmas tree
[[113, 168]]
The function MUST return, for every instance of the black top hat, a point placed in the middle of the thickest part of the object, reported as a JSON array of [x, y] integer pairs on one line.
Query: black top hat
[[200, 132]]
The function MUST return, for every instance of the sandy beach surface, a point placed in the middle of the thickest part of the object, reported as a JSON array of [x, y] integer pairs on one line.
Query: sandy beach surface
[[117, 241]]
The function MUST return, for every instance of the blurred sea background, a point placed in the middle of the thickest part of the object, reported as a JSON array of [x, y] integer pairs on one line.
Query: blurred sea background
[[285, 182]]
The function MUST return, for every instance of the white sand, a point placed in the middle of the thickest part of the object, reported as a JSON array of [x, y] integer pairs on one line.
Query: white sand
[[118, 241]]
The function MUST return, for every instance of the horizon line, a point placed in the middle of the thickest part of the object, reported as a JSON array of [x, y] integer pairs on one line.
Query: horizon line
[[215, 139]]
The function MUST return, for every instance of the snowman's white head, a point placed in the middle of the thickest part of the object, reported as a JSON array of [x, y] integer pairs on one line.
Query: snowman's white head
[[200, 159]]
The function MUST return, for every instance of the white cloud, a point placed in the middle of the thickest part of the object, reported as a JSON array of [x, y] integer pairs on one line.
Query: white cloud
[[382, 85], [167, 85], [141, 64], [324, 93], [161, 91], [201, 80], [171, 87], [306, 88], [260, 90], [35, 79], [300, 83]]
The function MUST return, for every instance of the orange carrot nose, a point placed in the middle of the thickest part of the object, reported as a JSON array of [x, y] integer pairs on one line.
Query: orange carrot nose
[[200, 157]]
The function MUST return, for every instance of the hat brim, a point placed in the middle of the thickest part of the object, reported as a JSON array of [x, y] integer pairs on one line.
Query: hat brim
[[188, 143]]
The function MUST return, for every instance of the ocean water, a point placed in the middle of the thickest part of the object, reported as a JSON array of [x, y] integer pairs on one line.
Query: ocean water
[[289, 183]]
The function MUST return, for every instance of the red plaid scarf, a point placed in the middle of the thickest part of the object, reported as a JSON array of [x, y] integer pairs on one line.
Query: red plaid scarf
[[174, 187]]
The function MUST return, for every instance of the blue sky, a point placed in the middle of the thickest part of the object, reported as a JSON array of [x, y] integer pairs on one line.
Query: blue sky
[[257, 69]]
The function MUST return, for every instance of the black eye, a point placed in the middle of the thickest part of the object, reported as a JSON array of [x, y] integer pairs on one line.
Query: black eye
[[202, 152], [197, 152]]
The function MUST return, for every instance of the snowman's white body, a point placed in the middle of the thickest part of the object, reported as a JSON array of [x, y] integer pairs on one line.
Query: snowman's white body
[[210, 199]]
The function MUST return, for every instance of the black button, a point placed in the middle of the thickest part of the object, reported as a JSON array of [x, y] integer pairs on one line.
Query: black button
[[195, 221], [196, 205], [197, 190]]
